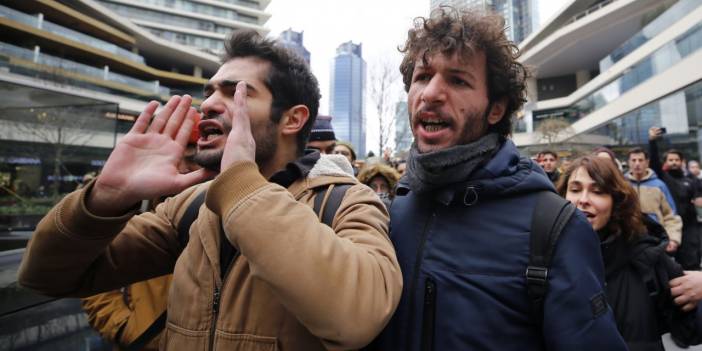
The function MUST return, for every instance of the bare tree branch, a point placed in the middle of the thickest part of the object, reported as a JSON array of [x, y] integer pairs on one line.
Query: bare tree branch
[[385, 91]]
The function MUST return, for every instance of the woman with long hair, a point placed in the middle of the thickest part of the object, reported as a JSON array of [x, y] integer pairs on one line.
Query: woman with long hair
[[637, 268]]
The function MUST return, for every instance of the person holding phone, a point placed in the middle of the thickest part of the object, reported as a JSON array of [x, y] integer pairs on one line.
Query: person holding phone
[[685, 193]]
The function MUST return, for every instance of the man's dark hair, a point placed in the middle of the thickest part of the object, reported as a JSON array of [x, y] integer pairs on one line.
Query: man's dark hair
[[449, 31], [289, 79], [549, 152], [637, 150], [673, 152]]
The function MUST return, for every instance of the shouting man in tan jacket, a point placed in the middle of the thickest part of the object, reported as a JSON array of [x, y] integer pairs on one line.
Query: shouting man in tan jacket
[[260, 271]]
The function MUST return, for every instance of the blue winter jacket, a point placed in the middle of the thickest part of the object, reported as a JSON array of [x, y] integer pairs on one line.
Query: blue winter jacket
[[464, 252]]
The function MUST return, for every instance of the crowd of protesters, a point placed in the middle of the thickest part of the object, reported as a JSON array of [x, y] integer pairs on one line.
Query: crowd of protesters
[[284, 239]]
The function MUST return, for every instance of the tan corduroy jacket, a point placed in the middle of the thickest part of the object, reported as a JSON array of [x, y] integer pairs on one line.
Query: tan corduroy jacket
[[297, 285]]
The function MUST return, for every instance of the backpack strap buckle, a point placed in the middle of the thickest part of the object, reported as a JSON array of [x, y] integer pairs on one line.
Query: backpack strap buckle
[[537, 275]]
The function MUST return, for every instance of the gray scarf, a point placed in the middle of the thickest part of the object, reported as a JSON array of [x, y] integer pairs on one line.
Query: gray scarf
[[433, 170]]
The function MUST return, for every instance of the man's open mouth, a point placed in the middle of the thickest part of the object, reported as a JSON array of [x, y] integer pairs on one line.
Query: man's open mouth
[[210, 130]]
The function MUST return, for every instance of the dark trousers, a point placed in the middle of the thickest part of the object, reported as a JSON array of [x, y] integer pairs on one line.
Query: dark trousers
[[688, 255]]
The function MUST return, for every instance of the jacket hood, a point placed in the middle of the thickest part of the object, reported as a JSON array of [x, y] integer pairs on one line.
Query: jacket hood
[[649, 176], [644, 251], [378, 169], [506, 173]]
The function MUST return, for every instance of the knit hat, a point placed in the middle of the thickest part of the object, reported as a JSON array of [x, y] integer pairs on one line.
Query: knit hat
[[348, 146], [322, 129]]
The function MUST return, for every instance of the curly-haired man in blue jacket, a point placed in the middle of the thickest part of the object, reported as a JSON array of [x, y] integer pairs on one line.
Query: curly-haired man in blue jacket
[[461, 220]]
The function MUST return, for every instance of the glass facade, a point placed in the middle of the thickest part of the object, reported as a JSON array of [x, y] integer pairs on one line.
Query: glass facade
[[680, 113], [347, 98], [652, 65], [659, 24]]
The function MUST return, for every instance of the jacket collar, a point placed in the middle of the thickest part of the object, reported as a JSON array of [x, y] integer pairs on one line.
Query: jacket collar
[[505, 174]]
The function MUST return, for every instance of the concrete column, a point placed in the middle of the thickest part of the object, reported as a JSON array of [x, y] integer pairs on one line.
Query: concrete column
[[581, 77], [197, 71], [40, 20], [532, 90], [37, 51], [106, 72]]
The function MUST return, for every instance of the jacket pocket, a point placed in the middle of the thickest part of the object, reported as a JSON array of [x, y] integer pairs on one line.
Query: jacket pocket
[[429, 315], [177, 338], [248, 342]]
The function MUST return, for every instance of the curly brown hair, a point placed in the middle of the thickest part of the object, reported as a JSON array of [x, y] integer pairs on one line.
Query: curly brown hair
[[449, 31], [626, 218]]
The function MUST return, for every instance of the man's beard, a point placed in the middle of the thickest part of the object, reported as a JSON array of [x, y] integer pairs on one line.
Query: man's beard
[[468, 133], [266, 146]]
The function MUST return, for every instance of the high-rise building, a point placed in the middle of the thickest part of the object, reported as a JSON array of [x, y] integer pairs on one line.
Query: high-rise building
[[403, 132], [293, 40], [202, 24], [521, 16], [347, 96], [608, 71]]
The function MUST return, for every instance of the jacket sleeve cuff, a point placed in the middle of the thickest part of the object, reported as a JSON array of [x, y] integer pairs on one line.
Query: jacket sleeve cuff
[[233, 186], [74, 216]]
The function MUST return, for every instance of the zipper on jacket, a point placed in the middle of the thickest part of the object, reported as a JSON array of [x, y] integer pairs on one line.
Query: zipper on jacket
[[216, 296], [429, 316], [415, 275]]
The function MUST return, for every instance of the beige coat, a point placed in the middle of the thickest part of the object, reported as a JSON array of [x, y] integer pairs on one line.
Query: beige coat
[[298, 284]]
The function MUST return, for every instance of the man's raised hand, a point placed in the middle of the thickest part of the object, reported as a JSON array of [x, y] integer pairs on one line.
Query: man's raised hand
[[144, 164], [240, 142]]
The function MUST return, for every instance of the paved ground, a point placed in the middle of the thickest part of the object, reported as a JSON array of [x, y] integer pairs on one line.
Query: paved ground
[[670, 346]]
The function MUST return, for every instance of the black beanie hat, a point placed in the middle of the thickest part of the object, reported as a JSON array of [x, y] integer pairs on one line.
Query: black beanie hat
[[322, 129]]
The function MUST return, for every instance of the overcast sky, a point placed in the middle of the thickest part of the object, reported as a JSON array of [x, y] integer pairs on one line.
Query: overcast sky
[[380, 25]]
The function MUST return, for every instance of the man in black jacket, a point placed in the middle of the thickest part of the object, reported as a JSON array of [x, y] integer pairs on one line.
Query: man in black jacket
[[684, 192]]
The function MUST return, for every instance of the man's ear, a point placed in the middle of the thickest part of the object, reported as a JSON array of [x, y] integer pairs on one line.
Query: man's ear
[[497, 110], [294, 119]]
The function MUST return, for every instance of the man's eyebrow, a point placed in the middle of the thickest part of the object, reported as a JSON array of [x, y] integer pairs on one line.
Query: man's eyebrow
[[461, 71], [229, 83]]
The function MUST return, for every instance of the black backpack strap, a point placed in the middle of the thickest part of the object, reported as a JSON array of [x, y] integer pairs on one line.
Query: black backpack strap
[[188, 218], [551, 213], [336, 194], [151, 332], [333, 201]]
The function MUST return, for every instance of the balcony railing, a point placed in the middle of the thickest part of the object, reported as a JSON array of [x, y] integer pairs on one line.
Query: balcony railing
[[39, 22], [589, 11], [149, 87]]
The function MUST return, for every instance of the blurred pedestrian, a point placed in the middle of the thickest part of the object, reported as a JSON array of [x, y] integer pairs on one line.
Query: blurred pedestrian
[[655, 199], [685, 193], [346, 149], [549, 162], [322, 136], [382, 179], [604, 152], [634, 252]]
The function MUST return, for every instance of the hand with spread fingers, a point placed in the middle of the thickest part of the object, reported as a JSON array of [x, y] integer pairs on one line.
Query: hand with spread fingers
[[144, 164], [687, 290], [240, 142]]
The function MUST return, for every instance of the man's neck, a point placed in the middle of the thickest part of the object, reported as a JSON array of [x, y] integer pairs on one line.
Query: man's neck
[[280, 159]]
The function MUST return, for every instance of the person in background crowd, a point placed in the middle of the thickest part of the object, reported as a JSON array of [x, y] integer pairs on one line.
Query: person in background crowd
[[322, 136], [604, 152], [655, 199], [549, 161], [685, 193], [249, 277], [382, 179], [538, 158], [462, 214], [693, 167], [401, 167], [346, 149], [634, 251]]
